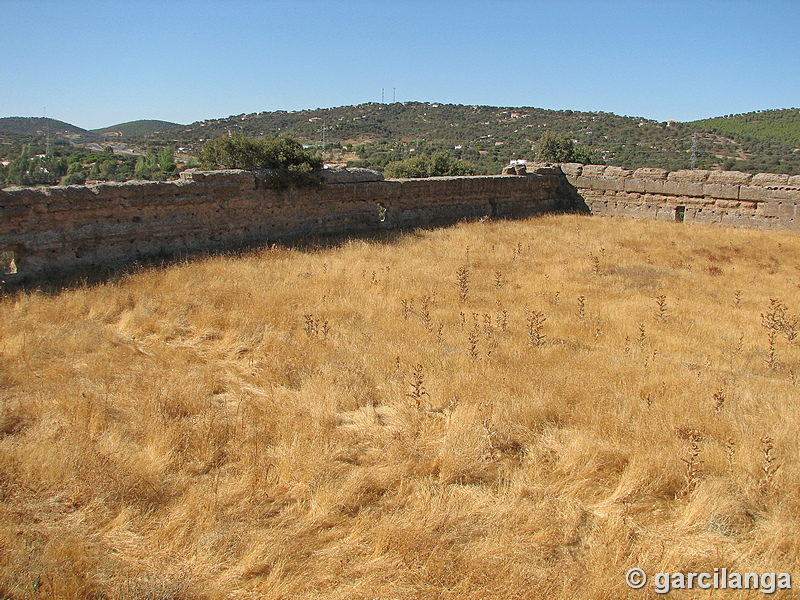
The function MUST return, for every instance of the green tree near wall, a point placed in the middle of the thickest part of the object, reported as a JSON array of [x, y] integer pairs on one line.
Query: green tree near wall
[[552, 147], [439, 164], [286, 161]]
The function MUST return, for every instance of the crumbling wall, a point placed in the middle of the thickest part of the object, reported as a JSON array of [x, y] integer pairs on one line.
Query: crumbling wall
[[59, 228], [731, 198]]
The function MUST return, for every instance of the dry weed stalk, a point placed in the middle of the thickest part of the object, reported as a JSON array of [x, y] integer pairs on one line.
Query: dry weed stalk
[[462, 277], [473, 341], [498, 279], [425, 311], [778, 320], [719, 400], [595, 260], [314, 326], [693, 463], [730, 454], [769, 467], [661, 301], [418, 391], [408, 307], [536, 321], [581, 307]]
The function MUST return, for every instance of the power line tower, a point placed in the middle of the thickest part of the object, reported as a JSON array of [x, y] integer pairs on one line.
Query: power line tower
[[694, 151]]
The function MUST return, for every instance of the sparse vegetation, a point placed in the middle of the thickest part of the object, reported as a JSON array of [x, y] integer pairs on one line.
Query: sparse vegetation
[[354, 422]]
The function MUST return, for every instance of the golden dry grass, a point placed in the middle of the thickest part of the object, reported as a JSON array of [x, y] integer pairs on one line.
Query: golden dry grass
[[342, 424]]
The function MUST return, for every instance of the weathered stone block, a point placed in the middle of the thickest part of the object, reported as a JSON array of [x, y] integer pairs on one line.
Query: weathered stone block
[[588, 182], [612, 171], [794, 180], [753, 192], [721, 190], [635, 185], [730, 177], [650, 173], [695, 176], [683, 188], [593, 170], [770, 179], [654, 186], [350, 175], [571, 169], [243, 179]]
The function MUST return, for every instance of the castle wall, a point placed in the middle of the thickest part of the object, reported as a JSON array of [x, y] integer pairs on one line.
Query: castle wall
[[730, 198], [61, 228]]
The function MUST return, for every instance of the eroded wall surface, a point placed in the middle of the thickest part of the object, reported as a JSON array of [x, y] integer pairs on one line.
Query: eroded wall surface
[[731, 198], [53, 229]]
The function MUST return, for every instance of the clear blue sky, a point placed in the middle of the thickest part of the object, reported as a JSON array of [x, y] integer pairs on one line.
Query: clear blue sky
[[98, 63]]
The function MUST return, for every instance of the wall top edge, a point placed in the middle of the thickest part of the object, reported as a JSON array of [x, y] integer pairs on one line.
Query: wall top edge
[[765, 180]]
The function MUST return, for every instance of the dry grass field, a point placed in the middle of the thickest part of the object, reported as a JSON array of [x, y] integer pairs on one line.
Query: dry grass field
[[494, 410]]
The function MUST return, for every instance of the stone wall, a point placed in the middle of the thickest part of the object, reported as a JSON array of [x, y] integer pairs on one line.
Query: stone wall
[[57, 229], [733, 198]]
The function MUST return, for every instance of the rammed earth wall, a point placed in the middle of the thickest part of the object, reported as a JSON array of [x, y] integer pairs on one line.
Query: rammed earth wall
[[54, 229], [732, 198]]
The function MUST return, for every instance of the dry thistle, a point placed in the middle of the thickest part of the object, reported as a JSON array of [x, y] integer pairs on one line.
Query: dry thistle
[[311, 326], [719, 400], [769, 468], [408, 307], [502, 320], [693, 463], [595, 260], [730, 452], [417, 386], [642, 335], [536, 321], [425, 311], [581, 306], [498, 279], [737, 299], [473, 341], [462, 277], [772, 358], [662, 307]]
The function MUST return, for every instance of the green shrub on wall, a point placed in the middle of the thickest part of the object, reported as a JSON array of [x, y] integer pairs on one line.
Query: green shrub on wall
[[285, 159]]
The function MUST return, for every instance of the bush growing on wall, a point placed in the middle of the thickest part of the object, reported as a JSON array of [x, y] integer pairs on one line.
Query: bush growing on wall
[[286, 160], [436, 165]]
